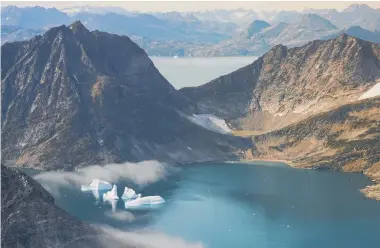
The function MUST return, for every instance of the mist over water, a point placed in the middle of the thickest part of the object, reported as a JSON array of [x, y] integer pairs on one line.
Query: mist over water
[[186, 72], [238, 205]]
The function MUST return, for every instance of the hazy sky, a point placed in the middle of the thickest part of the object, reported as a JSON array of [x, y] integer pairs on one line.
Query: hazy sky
[[183, 6]]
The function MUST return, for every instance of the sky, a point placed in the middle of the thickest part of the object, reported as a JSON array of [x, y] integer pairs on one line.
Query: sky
[[184, 6]]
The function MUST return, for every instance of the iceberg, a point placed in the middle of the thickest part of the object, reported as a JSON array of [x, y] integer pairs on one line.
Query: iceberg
[[97, 184], [145, 201], [130, 194], [112, 194]]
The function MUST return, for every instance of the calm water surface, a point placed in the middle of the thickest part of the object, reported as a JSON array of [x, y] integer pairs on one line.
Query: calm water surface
[[238, 205], [184, 72]]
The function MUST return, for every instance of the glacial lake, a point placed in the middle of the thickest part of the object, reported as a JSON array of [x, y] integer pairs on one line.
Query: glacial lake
[[260, 205], [194, 71]]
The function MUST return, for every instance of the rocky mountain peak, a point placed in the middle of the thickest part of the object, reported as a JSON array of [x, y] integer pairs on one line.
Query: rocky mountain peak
[[290, 83], [78, 27], [73, 97]]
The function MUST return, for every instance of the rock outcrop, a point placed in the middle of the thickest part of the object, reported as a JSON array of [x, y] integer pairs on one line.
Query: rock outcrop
[[73, 97]]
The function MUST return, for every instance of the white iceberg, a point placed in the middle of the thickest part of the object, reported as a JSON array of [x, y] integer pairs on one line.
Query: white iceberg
[[145, 201], [97, 184], [130, 194], [111, 195]]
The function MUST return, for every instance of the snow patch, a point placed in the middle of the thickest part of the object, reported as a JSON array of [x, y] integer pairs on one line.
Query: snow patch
[[210, 122], [374, 91]]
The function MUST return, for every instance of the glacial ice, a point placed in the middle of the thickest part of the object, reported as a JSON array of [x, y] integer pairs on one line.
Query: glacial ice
[[97, 184], [112, 194], [130, 194], [144, 201]]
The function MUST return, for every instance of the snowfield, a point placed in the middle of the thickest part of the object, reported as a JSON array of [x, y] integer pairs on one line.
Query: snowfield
[[374, 91], [211, 122]]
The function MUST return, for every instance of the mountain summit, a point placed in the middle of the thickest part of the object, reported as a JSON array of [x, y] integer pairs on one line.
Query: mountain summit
[[73, 97]]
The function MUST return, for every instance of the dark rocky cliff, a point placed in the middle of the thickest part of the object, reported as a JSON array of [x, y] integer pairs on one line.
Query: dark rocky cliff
[[73, 97], [29, 218]]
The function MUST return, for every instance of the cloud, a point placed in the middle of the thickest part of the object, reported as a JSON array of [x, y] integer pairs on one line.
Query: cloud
[[148, 239], [121, 215], [141, 173]]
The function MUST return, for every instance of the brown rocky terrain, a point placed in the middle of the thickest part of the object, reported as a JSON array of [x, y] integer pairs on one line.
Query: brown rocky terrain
[[287, 85]]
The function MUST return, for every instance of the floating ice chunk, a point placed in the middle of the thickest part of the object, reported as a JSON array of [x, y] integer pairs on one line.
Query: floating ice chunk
[[130, 194], [112, 194], [97, 184], [145, 201]]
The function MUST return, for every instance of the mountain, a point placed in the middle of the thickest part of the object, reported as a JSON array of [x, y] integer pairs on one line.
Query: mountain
[[118, 22], [357, 32], [73, 97], [308, 27], [33, 17], [355, 15], [14, 33], [256, 27], [29, 218], [286, 85]]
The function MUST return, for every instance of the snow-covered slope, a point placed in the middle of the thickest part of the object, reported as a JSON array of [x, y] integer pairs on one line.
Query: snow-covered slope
[[374, 91], [211, 122]]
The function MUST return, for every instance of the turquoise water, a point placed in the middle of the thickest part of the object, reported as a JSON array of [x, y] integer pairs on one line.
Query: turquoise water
[[238, 205]]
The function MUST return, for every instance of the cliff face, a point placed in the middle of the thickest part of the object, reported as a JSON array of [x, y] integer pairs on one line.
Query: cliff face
[[287, 85], [73, 97], [29, 217]]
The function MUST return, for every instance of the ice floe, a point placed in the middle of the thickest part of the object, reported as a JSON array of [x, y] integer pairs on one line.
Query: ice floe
[[144, 201]]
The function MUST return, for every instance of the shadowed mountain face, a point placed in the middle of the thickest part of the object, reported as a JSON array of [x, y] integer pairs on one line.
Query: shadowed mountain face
[[286, 85], [29, 218], [73, 97]]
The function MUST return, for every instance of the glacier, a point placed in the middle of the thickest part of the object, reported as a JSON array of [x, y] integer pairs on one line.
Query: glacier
[[97, 184]]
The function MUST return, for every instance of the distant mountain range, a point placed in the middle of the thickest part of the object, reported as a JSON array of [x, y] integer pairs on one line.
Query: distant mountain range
[[210, 33]]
